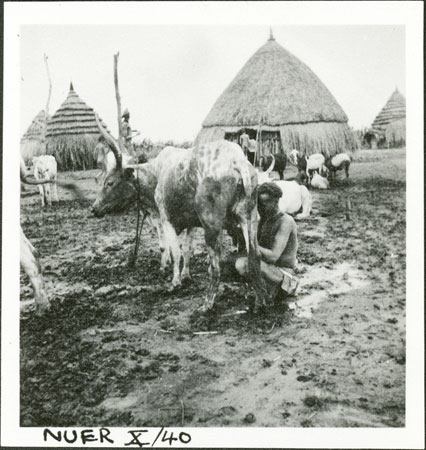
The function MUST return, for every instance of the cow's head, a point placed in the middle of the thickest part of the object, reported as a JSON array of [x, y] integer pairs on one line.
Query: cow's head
[[119, 189], [118, 192]]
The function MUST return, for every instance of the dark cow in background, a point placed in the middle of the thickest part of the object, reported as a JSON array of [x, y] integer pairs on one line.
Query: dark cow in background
[[279, 166]]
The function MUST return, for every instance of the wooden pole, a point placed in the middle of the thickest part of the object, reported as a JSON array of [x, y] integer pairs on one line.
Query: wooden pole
[[50, 84], [118, 100]]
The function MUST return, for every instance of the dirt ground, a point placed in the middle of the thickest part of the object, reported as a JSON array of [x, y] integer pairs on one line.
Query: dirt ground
[[117, 349]]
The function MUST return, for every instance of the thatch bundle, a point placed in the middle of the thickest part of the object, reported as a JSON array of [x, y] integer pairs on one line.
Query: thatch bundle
[[33, 140], [72, 134], [277, 93], [390, 122]]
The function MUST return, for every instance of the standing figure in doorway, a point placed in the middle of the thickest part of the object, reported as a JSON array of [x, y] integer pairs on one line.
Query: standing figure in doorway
[[244, 142]]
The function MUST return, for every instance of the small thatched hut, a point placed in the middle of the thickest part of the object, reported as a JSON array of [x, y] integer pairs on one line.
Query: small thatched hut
[[33, 140], [389, 125], [72, 134], [280, 102]]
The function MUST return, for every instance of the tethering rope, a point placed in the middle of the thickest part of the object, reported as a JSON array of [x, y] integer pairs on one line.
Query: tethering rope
[[139, 224]]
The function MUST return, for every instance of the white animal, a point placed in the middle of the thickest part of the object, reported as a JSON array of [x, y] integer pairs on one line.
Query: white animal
[[315, 163], [31, 266], [319, 182], [295, 197], [293, 155], [45, 168]]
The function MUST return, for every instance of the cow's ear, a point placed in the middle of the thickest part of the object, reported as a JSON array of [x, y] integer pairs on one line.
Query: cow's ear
[[129, 172]]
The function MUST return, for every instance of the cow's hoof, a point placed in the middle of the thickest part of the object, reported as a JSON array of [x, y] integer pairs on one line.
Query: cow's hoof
[[41, 308], [186, 277], [173, 287]]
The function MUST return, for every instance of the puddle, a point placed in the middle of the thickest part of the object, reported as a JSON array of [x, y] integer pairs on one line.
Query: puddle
[[120, 402], [324, 282]]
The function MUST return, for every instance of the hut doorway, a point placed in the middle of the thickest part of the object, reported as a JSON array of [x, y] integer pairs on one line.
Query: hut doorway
[[269, 141]]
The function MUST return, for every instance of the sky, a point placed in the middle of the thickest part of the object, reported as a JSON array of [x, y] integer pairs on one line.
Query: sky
[[171, 75]]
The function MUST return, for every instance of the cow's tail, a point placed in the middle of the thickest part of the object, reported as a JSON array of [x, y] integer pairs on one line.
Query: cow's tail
[[249, 178]]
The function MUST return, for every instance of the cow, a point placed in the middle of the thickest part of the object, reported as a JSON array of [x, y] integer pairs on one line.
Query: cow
[[338, 162], [295, 195], [319, 182], [212, 186], [315, 163], [280, 162], [45, 168]]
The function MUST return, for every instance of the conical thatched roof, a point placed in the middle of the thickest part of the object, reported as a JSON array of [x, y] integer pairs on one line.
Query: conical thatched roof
[[276, 90], [32, 142], [393, 110], [72, 134]]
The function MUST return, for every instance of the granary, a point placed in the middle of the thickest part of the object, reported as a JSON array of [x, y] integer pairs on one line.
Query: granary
[[282, 104], [388, 128], [72, 134], [32, 142]]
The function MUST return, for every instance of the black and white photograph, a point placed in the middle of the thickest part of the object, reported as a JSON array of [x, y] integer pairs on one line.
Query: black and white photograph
[[221, 221]]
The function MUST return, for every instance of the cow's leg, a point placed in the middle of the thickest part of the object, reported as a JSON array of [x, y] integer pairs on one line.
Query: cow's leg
[[164, 249], [171, 240], [186, 251], [347, 169], [41, 190], [306, 201], [55, 191], [247, 214], [32, 268], [213, 241], [47, 194]]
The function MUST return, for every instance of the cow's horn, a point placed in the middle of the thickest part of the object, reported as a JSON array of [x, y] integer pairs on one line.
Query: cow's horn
[[111, 142], [271, 167]]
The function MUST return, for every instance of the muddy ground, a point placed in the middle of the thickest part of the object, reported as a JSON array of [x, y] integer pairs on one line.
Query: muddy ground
[[118, 349]]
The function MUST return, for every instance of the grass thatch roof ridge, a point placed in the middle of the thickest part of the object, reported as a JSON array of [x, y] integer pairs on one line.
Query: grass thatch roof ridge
[[74, 116], [276, 88], [393, 110]]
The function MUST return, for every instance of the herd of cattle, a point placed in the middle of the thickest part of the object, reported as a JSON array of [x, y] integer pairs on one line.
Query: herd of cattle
[[212, 186]]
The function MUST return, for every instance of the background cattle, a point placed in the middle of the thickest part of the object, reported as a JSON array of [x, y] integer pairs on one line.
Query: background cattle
[[341, 161], [319, 182], [279, 160], [45, 168]]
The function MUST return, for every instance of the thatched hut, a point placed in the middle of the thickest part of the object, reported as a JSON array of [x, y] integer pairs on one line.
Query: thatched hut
[[389, 125], [280, 102], [33, 140], [72, 134]]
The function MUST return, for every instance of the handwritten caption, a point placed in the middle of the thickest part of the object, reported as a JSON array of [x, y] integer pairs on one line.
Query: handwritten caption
[[135, 438]]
